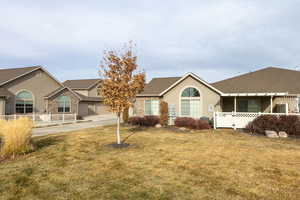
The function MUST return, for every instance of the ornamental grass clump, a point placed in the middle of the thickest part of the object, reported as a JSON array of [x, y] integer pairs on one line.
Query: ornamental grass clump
[[15, 137]]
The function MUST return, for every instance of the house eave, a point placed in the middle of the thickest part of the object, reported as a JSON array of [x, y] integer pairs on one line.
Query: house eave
[[255, 94]]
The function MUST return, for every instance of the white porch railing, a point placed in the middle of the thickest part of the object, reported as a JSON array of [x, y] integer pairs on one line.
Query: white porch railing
[[43, 118], [239, 119]]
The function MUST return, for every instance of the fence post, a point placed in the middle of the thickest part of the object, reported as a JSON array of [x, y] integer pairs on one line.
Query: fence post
[[215, 116], [75, 117], [33, 117], [63, 117], [233, 120], [15, 116]]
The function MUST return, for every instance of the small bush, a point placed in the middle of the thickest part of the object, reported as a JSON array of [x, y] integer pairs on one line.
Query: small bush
[[201, 124], [16, 136], [144, 121], [164, 113], [262, 123], [188, 122], [125, 115], [288, 123]]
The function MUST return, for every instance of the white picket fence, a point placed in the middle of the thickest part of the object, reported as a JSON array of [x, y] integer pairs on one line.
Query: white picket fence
[[239, 119], [43, 118]]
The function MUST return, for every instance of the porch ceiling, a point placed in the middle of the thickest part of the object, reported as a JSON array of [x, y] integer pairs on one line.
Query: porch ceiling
[[255, 94]]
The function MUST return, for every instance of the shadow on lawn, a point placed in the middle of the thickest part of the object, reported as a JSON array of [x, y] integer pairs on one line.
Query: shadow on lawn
[[46, 142]]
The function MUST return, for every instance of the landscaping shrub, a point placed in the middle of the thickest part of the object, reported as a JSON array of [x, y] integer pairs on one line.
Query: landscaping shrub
[[125, 115], [184, 122], [16, 136], [164, 113], [201, 124], [191, 123], [288, 123], [262, 123], [144, 121]]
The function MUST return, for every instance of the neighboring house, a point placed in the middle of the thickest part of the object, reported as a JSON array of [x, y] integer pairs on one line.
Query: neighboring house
[[87, 89], [31, 90], [266, 90]]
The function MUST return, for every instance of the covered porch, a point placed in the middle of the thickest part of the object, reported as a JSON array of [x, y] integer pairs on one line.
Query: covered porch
[[255, 102]]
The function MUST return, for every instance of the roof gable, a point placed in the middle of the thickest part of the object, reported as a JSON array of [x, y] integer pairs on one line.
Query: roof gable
[[8, 75], [160, 86], [81, 84], [11, 74]]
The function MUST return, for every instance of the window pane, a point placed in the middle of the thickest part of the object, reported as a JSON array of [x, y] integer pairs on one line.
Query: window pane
[[64, 103], [195, 108], [67, 109], [253, 106], [20, 108], [190, 92], [147, 107], [185, 107], [155, 107], [171, 109], [242, 106], [194, 92], [28, 108], [24, 95], [186, 93]]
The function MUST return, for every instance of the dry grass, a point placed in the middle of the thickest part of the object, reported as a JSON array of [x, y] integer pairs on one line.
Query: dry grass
[[160, 164], [15, 136]]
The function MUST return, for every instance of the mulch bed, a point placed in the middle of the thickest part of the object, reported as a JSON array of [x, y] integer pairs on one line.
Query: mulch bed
[[118, 146]]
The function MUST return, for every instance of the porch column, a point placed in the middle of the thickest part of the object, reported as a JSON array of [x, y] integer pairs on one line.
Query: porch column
[[271, 104], [235, 104]]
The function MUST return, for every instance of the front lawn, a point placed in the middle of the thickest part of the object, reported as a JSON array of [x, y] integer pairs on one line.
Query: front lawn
[[159, 164]]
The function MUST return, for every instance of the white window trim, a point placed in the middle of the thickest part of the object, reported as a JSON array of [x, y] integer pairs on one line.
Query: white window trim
[[65, 105], [33, 101], [145, 106], [200, 98]]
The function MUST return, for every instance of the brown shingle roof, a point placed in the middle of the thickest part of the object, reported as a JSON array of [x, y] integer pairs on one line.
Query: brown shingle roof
[[269, 79], [86, 98], [81, 83], [158, 85], [12, 73]]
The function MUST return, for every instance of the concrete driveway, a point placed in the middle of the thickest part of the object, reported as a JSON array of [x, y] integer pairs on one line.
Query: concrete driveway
[[72, 127]]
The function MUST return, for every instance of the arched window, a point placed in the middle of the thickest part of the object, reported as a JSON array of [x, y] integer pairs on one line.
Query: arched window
[[64, 104], [190, 103], [24, 102]]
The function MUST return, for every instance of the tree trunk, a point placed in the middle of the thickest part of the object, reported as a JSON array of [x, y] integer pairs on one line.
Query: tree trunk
[[118, 130]]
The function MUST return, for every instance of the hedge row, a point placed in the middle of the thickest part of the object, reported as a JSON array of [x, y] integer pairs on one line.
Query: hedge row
[[144, 121], [288, 123], [188, 122]]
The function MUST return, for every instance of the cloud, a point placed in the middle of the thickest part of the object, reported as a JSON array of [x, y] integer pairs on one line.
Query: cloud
[[215, 39]]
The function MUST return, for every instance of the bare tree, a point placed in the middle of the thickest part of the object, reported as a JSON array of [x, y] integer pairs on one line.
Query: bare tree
[[121, 81]]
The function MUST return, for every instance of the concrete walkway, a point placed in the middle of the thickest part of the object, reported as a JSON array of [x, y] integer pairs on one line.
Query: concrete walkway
[[71, 127]]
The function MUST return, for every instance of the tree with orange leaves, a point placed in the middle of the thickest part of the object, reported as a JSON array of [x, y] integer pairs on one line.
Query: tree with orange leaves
[[121, 81]]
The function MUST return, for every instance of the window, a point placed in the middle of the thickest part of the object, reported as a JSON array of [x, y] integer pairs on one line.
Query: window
[[190, 102], [24, 102], [248, 105], [64, 104], [151, 107], [171, 110]]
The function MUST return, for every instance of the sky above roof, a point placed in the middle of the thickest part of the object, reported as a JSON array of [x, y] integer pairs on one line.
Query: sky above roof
[[215, 39]]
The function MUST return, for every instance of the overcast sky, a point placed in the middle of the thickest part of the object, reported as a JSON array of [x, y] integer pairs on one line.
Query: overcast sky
[[215, 39]]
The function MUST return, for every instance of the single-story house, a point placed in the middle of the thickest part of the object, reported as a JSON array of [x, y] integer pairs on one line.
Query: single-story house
[[31, 90], [267, 90]]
